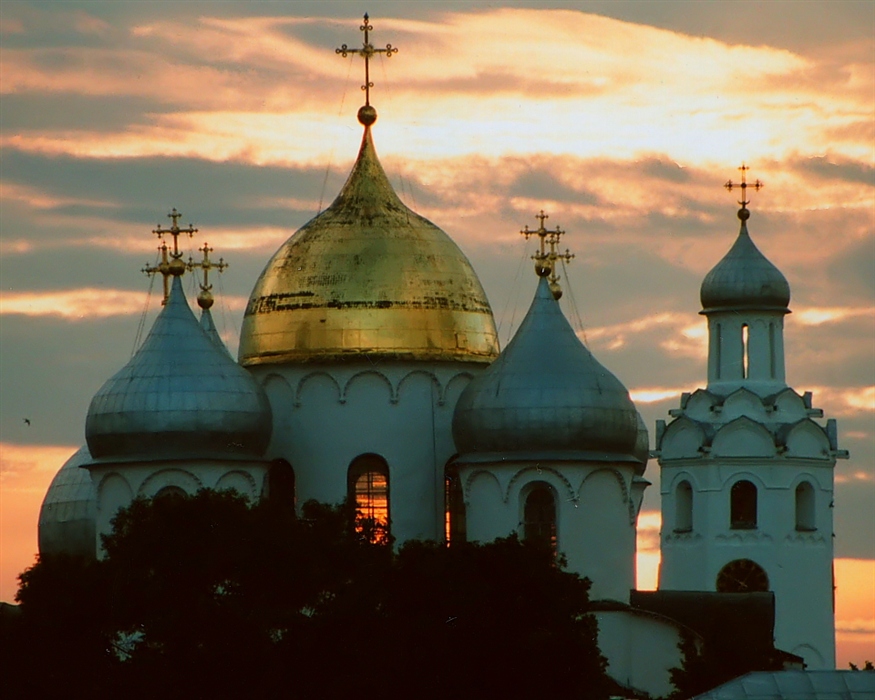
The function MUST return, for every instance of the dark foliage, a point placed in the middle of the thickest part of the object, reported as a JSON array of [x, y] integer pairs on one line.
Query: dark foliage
[[207, 597]]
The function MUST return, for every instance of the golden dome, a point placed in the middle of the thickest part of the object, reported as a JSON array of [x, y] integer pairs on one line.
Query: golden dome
[[368, 277]]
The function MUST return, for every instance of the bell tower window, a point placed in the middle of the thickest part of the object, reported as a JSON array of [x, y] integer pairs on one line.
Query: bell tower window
[[683, 519], [743, 506], [745, 351], [742, 576], [539, 516], [368, 488], [805, 507]]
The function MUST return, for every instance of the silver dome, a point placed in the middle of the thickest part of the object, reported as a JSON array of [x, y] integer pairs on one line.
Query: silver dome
[[180, 395], [744, 279], [546, 397], [69, 510]]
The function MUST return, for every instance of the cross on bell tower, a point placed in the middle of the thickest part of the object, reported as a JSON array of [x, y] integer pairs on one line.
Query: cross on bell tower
[[171, 264], [367, 115], [545, 260], [757, 185]]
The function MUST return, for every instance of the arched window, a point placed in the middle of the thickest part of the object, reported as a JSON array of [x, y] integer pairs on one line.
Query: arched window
[[743, 506], [742, 576], [368, 488], [455, 524], [171, 492], [539, 516], [683, 513], [805, 508], [745, 351], [281, 483]]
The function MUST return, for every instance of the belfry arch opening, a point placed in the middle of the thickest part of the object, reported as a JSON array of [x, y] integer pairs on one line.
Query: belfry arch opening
[[368, 489], [805, 516], [742, 576], [743, 506], [539, 515], [683, 518]]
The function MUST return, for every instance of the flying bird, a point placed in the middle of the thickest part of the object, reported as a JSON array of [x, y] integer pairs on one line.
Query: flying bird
[[27, 421]]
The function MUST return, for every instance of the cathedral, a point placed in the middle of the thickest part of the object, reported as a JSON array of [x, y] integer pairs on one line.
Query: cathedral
[[369, 368]]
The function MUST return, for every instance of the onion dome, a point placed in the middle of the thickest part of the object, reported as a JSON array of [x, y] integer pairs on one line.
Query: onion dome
[[179, 396], [69, 510], [368, 277], [546, 397], [745, 279]]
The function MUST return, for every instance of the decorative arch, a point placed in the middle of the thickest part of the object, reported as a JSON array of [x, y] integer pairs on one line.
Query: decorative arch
[[539, 511], [315, 376], [368, 489], [742, 576], [743, 437], [743, 496], [170, 492], [683, 439], [743, 402], [485, 473], [624, 490], [358, 376], [455, 380], [187, 481], [239, 481], [807, 439], [436, 384], [541, 470]]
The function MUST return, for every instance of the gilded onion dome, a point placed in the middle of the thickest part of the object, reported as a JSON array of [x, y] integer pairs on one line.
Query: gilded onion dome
[[179, 396], [744, 278], [368, 277], [547, 397]]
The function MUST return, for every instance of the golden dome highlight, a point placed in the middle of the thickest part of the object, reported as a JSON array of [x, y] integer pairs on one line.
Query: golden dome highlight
[[368, 277]]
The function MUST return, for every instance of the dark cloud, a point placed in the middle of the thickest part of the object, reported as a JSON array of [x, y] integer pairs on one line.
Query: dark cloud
[[843, 169]]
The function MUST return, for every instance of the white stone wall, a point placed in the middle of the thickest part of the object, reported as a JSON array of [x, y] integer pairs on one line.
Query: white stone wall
[[326, 416], [596, 514], [117, 484]]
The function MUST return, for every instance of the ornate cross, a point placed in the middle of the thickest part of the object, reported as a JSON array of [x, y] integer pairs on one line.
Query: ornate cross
[[545, 260], [730, 185], [171, 264], [205, 298], [367, 51]]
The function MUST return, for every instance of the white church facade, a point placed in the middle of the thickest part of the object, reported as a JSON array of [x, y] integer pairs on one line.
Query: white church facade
[[369, 368]]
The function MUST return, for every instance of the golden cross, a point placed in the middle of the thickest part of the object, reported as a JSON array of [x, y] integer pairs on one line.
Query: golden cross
[[171, 264], [367, 51], [730, 185], [545, 260], [205, 298]]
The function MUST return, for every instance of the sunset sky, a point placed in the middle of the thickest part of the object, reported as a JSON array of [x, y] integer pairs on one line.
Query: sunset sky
[[621, 119]]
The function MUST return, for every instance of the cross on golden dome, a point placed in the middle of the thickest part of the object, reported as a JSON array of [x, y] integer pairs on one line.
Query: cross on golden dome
[[171, 264], [205, 298], [757, 185], [545, 260], [366, 51]]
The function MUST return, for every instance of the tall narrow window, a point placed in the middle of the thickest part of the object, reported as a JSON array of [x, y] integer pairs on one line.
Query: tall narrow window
[[745, 351], [539, 516], [368, 484], [683, 519], [773, 369], [455, 525], [718, 342], [805, 507], [743, 506], [281, 483]]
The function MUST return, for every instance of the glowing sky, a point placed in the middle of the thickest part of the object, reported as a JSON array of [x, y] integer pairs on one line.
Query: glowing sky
[[621, 119]]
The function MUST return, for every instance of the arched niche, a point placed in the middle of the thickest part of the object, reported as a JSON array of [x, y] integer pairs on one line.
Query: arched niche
[[805, 507], [743, 505], [539, 514], [683, 506]]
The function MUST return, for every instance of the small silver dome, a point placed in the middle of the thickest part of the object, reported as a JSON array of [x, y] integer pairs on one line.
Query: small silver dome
[[546, 396], [744, 279], [69, 510], [179, 396]]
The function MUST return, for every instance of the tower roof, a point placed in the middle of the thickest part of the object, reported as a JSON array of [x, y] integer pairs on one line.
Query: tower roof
[[179, 396], [547, 395], [368, 277], [744, 279]]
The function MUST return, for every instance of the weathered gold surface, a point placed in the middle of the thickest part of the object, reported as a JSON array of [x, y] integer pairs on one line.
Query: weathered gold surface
[[368, 277]]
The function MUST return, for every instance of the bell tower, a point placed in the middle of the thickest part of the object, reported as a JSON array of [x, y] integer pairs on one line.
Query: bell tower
[[746, 471]]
